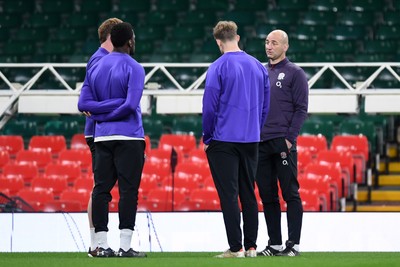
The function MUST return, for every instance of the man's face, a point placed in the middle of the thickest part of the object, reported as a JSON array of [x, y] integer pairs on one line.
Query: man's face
[[275, 48]]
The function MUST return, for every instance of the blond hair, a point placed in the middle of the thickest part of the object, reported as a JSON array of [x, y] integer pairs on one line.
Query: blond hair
[[225, 31], [104, 29]]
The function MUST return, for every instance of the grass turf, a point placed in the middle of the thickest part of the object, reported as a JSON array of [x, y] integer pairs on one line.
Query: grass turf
[[194, 259]]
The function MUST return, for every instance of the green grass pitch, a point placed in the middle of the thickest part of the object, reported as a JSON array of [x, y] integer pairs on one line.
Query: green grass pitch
[[201, 259]]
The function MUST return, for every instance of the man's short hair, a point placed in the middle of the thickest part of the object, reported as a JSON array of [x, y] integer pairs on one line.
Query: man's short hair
[[225, 31], [105, 28], [121, 33]]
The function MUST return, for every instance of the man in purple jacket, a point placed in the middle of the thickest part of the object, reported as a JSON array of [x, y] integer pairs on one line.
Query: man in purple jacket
[[235, 105], [118, 137], [277, 149], [105, 48]]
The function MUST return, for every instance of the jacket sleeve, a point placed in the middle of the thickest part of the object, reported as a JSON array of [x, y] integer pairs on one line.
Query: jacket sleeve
[[210, 104], [132, 101]]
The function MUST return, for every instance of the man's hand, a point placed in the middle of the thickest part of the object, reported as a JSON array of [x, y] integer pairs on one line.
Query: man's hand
[[87, 113], [289, 145]]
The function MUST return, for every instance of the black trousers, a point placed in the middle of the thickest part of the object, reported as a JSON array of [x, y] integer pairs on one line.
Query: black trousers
[[120, 160], [275, 163], [90, 143], [233, 167]]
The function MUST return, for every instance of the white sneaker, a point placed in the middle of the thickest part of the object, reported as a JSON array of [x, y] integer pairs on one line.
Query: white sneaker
[[251, 253], [230, 254]]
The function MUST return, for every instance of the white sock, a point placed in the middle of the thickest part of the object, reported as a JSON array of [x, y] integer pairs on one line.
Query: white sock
[[296, 247], [101, 238], [277, 247], [125, 239], [93, 243]]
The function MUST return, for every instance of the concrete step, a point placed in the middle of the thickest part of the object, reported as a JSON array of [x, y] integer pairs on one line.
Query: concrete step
[[386, 194], [389, 179]]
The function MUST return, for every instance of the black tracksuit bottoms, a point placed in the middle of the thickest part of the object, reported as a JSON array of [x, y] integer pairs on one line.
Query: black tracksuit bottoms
[[233, 167], [120, 160], [275, 163]]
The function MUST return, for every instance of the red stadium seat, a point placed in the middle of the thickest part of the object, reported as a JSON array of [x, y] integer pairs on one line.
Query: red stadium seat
[[13, 184], [310, 200], [81, 156], [311, 143], [84, 184], [206, 199], [163, 157], [196, 172], [78, 141], [53, 143], [57, 185], [162, 171], [358, 147], [182, 142], [4, 159], [148, 144], [36, 197], [62, 206], [27, 171], [81, 196], [160, 199], [346, 164], [11, 143], [71, 171], [198, 156], [149, 182], [325, 175], [303, 159], [41, 158]]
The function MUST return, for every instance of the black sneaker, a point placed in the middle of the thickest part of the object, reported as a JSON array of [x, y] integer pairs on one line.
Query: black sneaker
[[268, 251], [92, 253], [289, 250], [130, 253], [105, 253]]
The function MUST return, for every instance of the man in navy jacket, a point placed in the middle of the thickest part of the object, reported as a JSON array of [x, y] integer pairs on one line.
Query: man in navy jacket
[[277, 149]]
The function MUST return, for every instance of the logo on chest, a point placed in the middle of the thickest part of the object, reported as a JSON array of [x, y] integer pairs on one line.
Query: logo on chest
[[281, 76]]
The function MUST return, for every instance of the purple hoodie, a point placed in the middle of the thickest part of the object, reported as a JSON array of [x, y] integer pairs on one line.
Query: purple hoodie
[[236, 99], [289, 101]]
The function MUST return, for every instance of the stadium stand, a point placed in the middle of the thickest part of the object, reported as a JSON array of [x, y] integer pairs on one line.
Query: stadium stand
[[180, 31]]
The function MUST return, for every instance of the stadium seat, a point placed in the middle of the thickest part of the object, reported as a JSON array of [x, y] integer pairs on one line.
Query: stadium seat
[[40, 158], [351, 18], [12, 184], [316, 127], [56, 6], [346, 162], [80, 19], [18, 6], [212, 5], [70, 171], [81, 196], [282, 18], [311, 143], [391, 18], [150, 33], [156, 170], [357, 146], [363, 6], [250, 5], [182, 142], [315, 17], [55, 184], [205, 199], [43, 20], [36, 198], [310, 200], [329, 5], [95, 6], [26, 129], [81, 156], [160, 199], [160, 19], [62, 206], [26, 171], [149, 182], [175, 5], [198, 156], [137, 6], [309, 32], [386, 32], [241, 17], [78, 141], [52, 143], [4, 159], [337, 46], [84, 183], [303, 159], [191, 125], [65, 128], [254, 45], [344, 32], [297, 5]]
